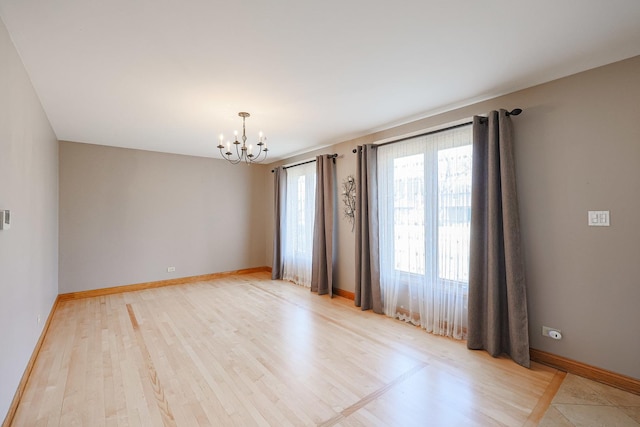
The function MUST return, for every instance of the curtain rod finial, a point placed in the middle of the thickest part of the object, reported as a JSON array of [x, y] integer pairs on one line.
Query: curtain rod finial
[[354, 151], [515, 112]]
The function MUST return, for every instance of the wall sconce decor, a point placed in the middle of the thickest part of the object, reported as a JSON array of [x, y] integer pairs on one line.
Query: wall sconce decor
[[349, 199]]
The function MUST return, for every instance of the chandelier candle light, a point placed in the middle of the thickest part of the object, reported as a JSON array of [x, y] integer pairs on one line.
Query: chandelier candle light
[[244, 153]]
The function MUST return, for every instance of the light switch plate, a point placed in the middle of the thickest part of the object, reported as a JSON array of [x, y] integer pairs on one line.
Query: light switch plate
[[5, 220], [599, 218]]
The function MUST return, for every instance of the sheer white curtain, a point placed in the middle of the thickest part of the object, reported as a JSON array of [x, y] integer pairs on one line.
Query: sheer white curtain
[[299, 217], [424, 202]]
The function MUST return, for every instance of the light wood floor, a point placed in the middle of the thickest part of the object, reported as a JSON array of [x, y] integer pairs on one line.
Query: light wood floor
[[245, 350]]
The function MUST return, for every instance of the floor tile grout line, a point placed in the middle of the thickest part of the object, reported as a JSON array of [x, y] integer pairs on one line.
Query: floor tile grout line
[[555, 405], [563, 415], [590, 388]]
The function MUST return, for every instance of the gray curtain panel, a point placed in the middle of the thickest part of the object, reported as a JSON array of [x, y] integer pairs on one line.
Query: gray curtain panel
[[323, 261], [367, 295], [498, 320], [280, 189]]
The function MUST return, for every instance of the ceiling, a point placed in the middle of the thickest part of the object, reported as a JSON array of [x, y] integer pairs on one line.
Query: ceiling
[[171, 75]]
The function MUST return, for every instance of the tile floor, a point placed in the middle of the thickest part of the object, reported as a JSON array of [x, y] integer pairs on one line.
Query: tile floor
[[582, 402]]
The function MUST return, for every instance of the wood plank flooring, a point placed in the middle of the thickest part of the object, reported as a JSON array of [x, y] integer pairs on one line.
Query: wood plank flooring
[[245, 350]]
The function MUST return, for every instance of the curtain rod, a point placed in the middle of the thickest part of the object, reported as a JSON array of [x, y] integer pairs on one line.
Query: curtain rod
[[331, 156], [514, 112]]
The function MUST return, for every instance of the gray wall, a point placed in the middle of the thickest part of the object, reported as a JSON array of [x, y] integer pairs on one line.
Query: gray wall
[[577, 149], [126, 215], [29, 250]]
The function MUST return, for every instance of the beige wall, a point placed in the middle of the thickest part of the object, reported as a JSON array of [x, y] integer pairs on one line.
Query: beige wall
[[126, 215], [29, 250], [577, 149]]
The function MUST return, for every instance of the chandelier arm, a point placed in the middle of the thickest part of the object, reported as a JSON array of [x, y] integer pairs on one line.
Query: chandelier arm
[[229, 159], [222, 153], [238, 151], [256, 158]]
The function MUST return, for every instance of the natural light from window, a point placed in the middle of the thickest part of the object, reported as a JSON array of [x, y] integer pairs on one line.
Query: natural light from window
[[453, 211], [299, 214], [408, 213]]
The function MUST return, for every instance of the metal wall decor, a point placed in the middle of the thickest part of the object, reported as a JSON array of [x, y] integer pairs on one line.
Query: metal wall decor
[[349, 199]]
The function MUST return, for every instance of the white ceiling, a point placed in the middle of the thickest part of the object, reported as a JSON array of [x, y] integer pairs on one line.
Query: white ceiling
[[170, 75]]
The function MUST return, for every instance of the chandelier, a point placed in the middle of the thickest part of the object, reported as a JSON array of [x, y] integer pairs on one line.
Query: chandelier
[[242, 151]]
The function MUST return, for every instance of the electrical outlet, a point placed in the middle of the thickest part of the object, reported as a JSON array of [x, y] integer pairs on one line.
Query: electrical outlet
[[171, 269], [556, 334]]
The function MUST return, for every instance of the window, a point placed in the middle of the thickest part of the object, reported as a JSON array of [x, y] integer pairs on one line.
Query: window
[[424, 195], [299, 217]]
